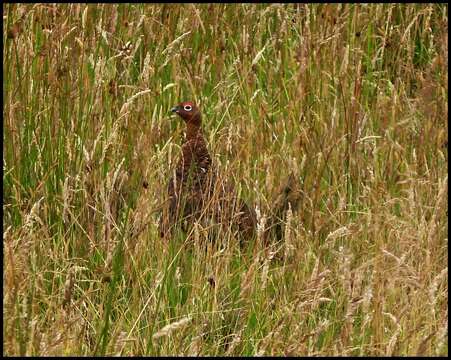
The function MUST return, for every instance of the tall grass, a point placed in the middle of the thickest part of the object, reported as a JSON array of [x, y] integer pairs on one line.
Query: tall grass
[[351, 98]]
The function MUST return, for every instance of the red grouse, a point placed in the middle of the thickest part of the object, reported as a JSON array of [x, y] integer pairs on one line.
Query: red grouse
[[196, 192]]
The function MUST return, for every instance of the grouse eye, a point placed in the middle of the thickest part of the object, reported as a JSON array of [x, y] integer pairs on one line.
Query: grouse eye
[[188, 107]]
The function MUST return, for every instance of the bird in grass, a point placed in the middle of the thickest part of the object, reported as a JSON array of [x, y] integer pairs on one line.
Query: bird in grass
[[197, 192]]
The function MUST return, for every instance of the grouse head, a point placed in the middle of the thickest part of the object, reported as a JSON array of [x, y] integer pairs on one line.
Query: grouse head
[[189, 112]]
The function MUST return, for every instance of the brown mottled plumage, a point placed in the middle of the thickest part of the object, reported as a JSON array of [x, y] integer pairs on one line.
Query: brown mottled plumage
[[197, 193]]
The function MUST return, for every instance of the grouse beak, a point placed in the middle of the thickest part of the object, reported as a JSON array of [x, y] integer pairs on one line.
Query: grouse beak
[[175, 109]]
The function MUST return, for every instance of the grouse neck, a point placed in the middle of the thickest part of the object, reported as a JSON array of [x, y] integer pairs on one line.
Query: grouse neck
[[192, 130]]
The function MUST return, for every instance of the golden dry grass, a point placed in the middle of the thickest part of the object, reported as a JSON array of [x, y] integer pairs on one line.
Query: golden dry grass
[[352, 98]]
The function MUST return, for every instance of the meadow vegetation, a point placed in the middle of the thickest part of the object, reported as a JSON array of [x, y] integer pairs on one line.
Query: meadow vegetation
[[350, 98]]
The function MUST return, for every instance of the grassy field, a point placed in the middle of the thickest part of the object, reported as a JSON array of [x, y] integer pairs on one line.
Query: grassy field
[[350, 98]]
